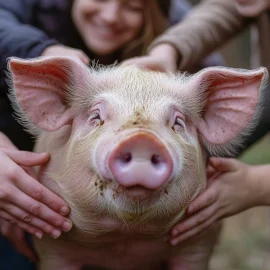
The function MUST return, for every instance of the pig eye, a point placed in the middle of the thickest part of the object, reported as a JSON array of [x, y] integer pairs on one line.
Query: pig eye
[[94, 119], [94, 116], [179, 124]]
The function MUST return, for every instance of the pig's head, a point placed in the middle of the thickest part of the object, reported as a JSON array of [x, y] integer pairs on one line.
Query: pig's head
[[135, 140]]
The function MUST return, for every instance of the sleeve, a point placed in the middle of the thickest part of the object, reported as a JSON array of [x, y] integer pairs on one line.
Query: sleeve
[[209, 25], [17, 36]]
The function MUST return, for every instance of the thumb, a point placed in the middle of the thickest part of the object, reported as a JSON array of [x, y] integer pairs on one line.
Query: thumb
[[224, 164], [29, 159], [85, 59], [129, 61]]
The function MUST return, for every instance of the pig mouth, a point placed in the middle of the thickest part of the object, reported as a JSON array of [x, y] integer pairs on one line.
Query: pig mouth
[[137, 194]]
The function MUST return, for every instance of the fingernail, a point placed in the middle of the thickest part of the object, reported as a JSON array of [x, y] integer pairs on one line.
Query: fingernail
[[44, 154], [64, 210], [190, 210], [38, 235], [174, 233], [67, 225], [55, 233]]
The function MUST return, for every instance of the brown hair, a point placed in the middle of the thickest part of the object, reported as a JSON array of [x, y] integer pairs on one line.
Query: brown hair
[[155, 23]]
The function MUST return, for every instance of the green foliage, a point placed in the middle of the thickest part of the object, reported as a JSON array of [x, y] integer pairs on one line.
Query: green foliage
[[259, 153]]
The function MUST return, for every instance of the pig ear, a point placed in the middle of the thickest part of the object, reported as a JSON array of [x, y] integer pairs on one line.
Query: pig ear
[[230, 99], [40, 90]]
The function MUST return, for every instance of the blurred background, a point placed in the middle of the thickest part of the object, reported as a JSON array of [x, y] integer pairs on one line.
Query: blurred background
[[245, 240]]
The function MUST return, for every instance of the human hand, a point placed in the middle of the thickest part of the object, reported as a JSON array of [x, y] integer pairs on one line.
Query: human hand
[[61, 50], [24, 201], [17, 238], [162, 58], [229, 191]]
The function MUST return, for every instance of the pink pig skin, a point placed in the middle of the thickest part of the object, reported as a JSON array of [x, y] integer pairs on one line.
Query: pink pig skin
[[128, 154]]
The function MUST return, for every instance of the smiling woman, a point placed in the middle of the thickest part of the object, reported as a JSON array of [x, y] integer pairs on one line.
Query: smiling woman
[[103, 30], [107, 26]]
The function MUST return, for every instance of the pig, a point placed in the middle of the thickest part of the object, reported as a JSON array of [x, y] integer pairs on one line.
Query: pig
[[128, 154]]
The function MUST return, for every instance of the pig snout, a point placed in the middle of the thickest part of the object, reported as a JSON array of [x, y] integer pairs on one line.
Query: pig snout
[[141, 161]]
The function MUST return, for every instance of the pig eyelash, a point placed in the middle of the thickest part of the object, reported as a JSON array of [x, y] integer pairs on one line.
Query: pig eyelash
[[179, 125], [179, 122], [94, 118], [177, 119]]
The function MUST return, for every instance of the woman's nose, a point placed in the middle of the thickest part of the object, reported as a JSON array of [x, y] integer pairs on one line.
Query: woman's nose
[[111, 13]]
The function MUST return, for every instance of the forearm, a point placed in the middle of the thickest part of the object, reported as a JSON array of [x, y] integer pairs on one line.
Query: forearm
[[208, 26], [260, 181], [18, 37]]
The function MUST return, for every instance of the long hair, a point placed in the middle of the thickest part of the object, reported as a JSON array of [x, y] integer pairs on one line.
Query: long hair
[[155, 23]]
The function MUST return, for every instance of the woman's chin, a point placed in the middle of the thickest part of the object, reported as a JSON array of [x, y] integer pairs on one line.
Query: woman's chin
[[250, 8]]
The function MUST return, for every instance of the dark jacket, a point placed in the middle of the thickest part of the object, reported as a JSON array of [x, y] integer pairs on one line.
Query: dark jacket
[[27, 27], [20, 24]]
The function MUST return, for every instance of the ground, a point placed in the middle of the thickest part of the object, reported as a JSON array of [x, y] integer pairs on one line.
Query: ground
[[245, 241]]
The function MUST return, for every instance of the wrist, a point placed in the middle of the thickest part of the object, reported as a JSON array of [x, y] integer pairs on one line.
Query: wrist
[[260, 184], [167, 50], [48, 49]]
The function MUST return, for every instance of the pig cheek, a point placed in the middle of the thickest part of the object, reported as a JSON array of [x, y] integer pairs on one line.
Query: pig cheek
[[188, 168], [81, 126], [83, 192], [101, 152], [176, 154], [192, 130]]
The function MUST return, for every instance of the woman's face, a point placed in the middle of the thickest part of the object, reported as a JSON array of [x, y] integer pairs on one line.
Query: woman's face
[[251, 8], [107, 25]]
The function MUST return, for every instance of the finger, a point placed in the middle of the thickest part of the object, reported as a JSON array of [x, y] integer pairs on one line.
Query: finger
[[84, 58], [210, 171], [5, 227], [25, 217], [193, 221], [7, 230], [212, 174], [151, 65], [19, 242], [193, 232], [30, 171], [143, 64], [25, 158], [129, 61], [208, 197], [37, 209], [37, 191], [224, 164]]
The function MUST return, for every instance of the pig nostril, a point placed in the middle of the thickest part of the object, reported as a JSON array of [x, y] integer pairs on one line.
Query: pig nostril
[[155, 159], [126, 158]]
